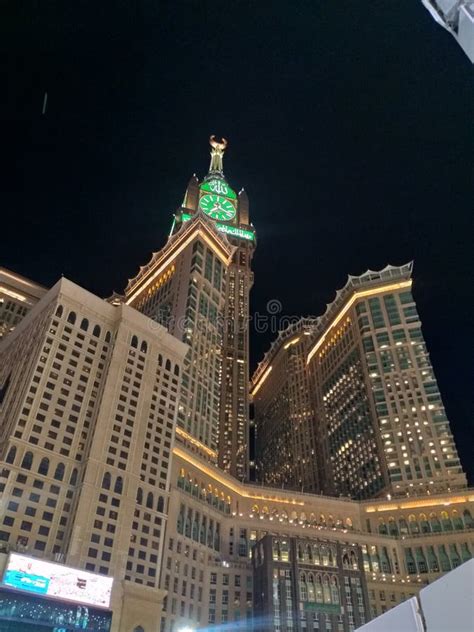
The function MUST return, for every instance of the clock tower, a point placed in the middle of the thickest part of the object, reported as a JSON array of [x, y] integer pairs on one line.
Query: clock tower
[[216, 201]]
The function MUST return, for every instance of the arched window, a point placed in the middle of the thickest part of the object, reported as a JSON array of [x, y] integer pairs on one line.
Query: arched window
[[326, 589], [433, 564], [454, 555], [96, 331], [457, 520], [382, 527], [160, 504], [195, 528], [139, 495], [106, 481], [59, 311], [118, 487], [11, 455], [403, 526], [180, 520], [144, 347], [468, 521], [443, 558], [160, 360], [421, 560], [303, 588], [134, 342], [392, 526], [139, 629], [59, 472], [414, 527], [410, 562], [319, 589], [73, 479], [187, 527], [44, 466], [149, 500], [424, 524], [331, 557], [202, 531], [446, 521], [300, 553], [311, 588], [84, 324], [108, 336], [324, 555], [316, 554], [71, 318], [176, 370], [168, 365], [434, 522], [335, 597]]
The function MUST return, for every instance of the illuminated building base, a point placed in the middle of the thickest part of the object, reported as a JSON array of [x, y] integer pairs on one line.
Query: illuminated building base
[[28, 613]]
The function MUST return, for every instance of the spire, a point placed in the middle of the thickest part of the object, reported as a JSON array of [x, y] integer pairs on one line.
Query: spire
[[217, 155]]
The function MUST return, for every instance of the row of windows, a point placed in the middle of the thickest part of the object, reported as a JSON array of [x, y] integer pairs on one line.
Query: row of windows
[[426, 524], [43, 466], [84, 324]]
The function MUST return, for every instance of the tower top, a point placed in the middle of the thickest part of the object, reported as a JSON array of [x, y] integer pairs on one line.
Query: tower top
[[217, 154]]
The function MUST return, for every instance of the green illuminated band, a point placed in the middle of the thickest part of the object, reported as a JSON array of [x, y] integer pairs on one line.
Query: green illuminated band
[[234, 231]]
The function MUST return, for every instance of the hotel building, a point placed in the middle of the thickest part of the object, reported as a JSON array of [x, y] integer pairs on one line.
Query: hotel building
[[17, 296], [88, 408], [375, 408]]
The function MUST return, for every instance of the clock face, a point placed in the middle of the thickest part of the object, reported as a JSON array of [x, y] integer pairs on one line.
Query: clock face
[[217, 207]]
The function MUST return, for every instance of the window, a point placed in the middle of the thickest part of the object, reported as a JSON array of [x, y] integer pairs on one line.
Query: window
[[11, 455], [44, 466], [71, 318], [73, 479], [106, 481], [59, 473], [27, 461], [118, 485]]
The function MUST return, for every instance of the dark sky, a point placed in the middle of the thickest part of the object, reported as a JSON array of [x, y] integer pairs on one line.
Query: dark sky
[[350, 126]]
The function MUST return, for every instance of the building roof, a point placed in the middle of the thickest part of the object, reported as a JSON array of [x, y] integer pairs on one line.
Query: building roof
[[315, 326]]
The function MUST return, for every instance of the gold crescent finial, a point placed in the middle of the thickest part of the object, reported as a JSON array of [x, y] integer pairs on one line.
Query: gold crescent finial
[[216, 144], [217, 154]]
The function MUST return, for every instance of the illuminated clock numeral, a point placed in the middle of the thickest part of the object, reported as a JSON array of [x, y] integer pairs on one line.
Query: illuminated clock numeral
[[217, 207]]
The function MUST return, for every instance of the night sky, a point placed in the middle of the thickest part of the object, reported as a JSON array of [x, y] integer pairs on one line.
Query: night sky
[[350, 125]]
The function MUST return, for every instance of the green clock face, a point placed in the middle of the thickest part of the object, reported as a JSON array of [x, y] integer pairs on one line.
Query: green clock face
[[217, 207]]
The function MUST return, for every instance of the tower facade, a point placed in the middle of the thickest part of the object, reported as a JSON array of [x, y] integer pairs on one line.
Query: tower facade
[[380, 426], [286, 454], [88, 405], [198, 286]]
